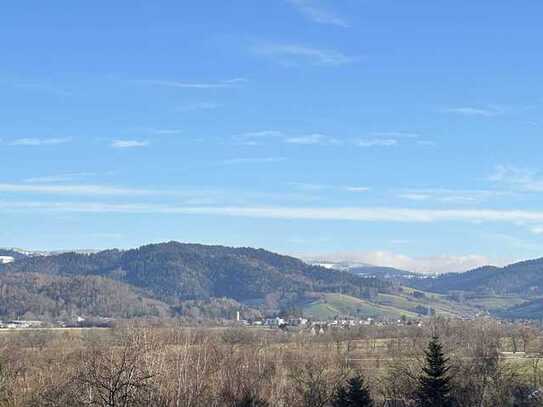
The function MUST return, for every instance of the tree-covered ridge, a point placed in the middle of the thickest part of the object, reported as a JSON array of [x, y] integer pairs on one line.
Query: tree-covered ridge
[[174, 273], [34, 295], [524, 278]]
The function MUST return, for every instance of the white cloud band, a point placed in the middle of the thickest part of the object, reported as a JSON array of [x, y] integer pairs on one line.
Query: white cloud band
[[403, 215]]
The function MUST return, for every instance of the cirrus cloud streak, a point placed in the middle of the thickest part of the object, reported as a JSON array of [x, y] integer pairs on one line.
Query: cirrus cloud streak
[[377, 214]]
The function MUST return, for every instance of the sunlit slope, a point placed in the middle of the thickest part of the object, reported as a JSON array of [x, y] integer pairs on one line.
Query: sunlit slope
[[391, 306]]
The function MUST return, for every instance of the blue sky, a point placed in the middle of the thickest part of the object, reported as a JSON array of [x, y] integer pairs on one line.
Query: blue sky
[[401, 133]]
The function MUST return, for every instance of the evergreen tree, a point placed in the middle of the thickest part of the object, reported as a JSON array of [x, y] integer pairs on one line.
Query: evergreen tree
[[250, 400], [434, 383], [354, 394], [341, 398]]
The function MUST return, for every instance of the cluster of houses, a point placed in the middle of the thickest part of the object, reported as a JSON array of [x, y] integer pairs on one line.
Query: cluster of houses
[[321, 326], [76, 322]]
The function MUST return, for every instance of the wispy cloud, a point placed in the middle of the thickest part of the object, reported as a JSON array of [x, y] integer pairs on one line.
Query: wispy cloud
[[316, 13], [258, 137], [293, 54], [260, 134], [388, 139], [370, 214], [129, 143], [445, 195], [164, 132], [395, 135], [520, 179], [475, 111], [377, 142], [313, 187], [315, 138], [58, 178], [412, 196], [33, 142], [253, 160], [356, 189], [393, 138], [77, 189], [181, 195], [228, 83], [253, 138]]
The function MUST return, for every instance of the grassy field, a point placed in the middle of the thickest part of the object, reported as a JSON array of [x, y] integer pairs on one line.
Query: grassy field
[[332, 305], [495, 302], [390, 306]]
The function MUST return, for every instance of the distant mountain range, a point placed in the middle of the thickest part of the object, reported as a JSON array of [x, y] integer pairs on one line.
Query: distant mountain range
[[367, 270], [199, 281], [523, 278]]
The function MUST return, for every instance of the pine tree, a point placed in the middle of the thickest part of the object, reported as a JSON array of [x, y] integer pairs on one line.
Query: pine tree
[[341, 399], [434, 383], [354, 394]]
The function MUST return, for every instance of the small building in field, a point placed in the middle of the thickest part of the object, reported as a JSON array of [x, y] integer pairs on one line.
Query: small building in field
[[297, 322], [21, 324], [274, 321], [6, 259]]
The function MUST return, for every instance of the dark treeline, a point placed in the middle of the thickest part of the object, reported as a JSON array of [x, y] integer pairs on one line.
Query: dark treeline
[[140, 365]]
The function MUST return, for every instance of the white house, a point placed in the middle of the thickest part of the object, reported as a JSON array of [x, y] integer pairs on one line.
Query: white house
[[297, 321], [6, 259], [18, 324], [274, 321]]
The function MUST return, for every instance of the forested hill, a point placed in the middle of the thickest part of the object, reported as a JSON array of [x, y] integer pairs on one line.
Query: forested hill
[[174, 272], [524, 278]]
